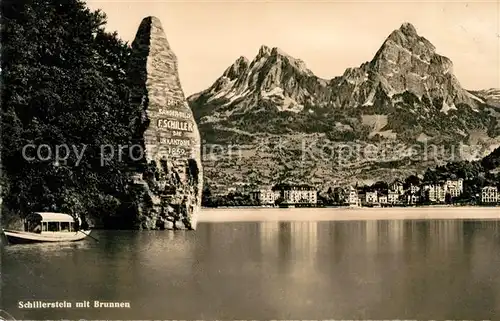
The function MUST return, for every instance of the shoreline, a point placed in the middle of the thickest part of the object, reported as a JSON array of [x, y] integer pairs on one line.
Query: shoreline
[[348, 214], [340, 207]]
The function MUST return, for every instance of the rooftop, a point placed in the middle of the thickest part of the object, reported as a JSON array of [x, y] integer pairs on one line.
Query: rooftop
[[54, 217]]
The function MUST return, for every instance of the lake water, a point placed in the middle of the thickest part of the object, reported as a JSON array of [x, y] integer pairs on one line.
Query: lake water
[[396, 269]]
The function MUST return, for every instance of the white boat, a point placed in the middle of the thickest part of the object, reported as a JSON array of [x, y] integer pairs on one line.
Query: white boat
[[47, 227]]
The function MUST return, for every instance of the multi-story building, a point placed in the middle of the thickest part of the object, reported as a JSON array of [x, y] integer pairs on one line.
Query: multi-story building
[[456, 183], [371, 198], [454, 192], [397, 186], [489, 194], [265, 196], [414, 189], [455, 187], [434, 193], [353, 198], [382, 199], [412, 198], [393, 197], [292, 194]]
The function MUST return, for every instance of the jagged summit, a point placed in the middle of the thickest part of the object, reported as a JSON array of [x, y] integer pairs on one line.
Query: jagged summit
[[407, 37], [237, 68], [264, 51], [242, 59], [408, 29], [273, 75], [409, 62], [404, 62]]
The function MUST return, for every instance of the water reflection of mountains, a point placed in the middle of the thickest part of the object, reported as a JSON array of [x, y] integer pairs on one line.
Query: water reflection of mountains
[[313, 242], [290, 270], [364, 268]]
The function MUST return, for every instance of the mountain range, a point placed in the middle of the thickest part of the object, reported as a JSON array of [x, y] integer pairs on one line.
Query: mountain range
[[272, 120]]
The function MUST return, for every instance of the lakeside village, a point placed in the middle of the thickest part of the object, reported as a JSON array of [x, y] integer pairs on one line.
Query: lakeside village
[[380, 194]]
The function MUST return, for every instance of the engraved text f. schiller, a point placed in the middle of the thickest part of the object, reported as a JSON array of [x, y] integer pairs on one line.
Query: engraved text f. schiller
[[175, 125]]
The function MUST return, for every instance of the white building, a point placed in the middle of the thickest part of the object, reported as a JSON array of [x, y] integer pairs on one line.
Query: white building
[[414, 189], [371, 197], [412, 198], [489, 194], [455, 187], [456, 183], [382, 199], [293, 194], [353, 198], [397, 187], [435, 193], [265, 196], [393, 197]]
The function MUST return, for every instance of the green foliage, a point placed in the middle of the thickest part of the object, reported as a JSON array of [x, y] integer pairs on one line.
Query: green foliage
[[492, 161], [412, 180], [230, 199], [381, 186], [65, 82], [474, 174]]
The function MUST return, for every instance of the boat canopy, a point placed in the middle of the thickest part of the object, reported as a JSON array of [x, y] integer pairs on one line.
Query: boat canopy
[[51, 217]]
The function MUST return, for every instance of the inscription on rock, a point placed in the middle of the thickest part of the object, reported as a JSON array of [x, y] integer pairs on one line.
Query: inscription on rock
[[174, 130]]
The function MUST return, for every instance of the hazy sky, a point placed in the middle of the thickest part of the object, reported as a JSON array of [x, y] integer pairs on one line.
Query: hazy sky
[[329, 36]]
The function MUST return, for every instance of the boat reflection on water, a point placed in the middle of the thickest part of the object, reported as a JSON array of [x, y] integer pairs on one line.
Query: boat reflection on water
[[55, 249]]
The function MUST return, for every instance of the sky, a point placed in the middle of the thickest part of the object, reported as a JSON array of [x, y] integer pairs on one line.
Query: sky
[[329, 36]]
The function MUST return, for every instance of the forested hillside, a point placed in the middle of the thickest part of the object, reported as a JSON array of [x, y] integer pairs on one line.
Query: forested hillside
[[64, 84]]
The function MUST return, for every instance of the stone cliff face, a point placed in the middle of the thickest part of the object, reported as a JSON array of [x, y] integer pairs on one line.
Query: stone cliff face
[[406, 94], [171, 179]]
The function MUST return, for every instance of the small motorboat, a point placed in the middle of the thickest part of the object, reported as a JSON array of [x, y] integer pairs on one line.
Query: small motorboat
[[47, 227]]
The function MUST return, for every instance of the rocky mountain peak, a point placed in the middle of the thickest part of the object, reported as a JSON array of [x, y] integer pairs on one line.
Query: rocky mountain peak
[[273, 75], [274, 52], [408, 29], [405, 62], [237, 68], [407, 38], [278, 52], [279, 59], [264, 51]]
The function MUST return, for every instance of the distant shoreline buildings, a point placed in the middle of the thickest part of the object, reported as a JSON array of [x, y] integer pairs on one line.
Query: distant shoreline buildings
[[287, 194], [381, 194]]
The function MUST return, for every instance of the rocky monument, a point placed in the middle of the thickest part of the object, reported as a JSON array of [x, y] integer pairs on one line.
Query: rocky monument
[[171, 178]]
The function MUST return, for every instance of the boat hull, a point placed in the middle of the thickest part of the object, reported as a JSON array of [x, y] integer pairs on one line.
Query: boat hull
[[19, 237]]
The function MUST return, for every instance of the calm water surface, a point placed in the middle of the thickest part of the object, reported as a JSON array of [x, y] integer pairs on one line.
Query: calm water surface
[[442, 269]]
